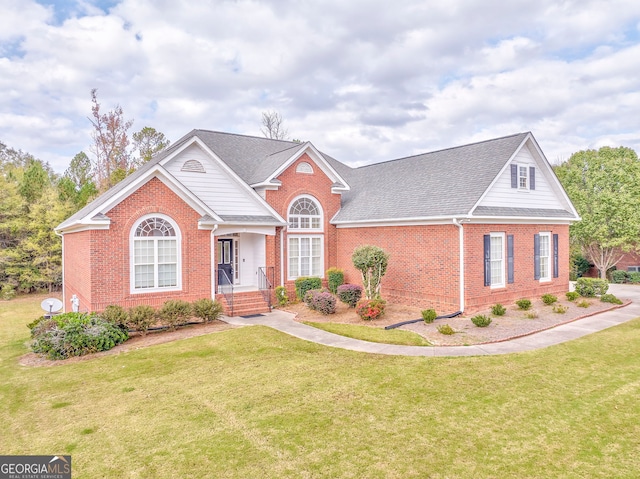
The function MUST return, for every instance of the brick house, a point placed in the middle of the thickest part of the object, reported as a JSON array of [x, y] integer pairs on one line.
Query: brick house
[[216, 213]]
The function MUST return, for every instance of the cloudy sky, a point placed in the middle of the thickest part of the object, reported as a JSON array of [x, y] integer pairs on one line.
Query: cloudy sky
[[364, 80]]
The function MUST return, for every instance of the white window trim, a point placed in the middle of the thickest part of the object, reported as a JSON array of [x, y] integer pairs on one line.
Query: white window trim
[[132, 237], [289, 237], [526, 177], [502, 236], [305, 230], [546, 234]]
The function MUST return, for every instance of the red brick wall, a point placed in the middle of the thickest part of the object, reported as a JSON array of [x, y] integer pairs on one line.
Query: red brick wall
[[77, 269], [110, 264], [317, 185], [628, 259]]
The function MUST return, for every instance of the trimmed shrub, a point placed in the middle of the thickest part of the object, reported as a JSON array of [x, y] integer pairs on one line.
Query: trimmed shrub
[[141, 318], [446, 329], [498, 310], [618, 276], [572, 295], [481, 320], [282, 296], [335, 277], [174, 313], [372, 263], [308, 296], [634, 277], [323, 302], [610, 298], [531, 314], [560, 309], [75, 334], [370, 309], [583, 304], [304, 284], [524, 304], [429, 315], [549, 299], [590, 287], [116, 315], [207, 309], [350, 294]]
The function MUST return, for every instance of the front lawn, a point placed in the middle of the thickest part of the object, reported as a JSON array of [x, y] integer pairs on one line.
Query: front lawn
[[253, 402]]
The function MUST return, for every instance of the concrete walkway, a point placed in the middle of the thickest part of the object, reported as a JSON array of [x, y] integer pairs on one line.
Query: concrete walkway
[[284, 322]]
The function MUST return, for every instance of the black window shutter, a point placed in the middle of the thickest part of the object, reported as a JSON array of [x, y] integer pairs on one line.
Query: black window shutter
[[555, 256], [510, 268], [514, 176], [536, 256], [532, 177], [487, 260]]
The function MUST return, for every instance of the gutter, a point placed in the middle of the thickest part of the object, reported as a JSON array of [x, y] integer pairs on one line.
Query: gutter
[[63, 288], [458, 223]]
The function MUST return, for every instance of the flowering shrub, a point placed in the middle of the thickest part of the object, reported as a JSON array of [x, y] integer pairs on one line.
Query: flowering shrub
[[370, 309], [350, 294]]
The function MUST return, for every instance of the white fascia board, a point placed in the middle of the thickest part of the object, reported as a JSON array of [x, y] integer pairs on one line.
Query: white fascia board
[[231, 173], [230, 229], [317, 158], [518, 220], [79, 226], [436, 220]]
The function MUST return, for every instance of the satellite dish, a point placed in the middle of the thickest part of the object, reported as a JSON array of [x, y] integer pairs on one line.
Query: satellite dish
[[51, 305]]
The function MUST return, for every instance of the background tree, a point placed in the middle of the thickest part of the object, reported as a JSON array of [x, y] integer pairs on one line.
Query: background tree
[[604, 186], [147, 142], [372, 262], [273, 126], [112, 161], [77, 183]]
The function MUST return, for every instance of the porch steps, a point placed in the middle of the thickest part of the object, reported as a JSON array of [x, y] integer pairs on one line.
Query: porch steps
[[245, 303]]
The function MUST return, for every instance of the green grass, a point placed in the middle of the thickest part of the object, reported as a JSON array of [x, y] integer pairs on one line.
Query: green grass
[[253, 402], [374, 335]]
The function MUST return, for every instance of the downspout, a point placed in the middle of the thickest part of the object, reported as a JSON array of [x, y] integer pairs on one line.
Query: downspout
[[64, 302], [213, 262], [282, 255], [461, 256]]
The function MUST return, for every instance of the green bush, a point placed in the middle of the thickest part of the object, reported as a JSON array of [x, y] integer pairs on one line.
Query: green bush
[[524, 304], [583, 304], [590, 287], [304, 284], [634, 277], [572, 295], [350, 294], [610, 298], [560, 309], [498, 309], [481, 320], [207, 309], [116, 315], [372, 262], [75, 334], [335, 277], [446, 329], [141, 318], [618, 276], [429, 315], [531, 314], [174, 313], [370, 309], [282, 296], [549, 299], [7, 292]]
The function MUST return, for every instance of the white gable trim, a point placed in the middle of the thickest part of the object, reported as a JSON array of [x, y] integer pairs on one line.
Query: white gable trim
[[541, 161], [248, 189], [317, 158]]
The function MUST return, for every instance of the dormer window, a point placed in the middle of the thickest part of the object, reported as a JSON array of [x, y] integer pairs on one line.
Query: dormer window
[[305, 214], [304, 167], [523, 177]]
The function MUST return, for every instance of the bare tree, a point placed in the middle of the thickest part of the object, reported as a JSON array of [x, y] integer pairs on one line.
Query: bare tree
[[112, 161], [273, 127]]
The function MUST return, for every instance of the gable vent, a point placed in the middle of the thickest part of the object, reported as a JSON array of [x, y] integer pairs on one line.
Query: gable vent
[[304, 167], [193, 166]]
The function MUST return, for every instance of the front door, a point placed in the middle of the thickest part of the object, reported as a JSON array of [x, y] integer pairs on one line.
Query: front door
[[225, 261]]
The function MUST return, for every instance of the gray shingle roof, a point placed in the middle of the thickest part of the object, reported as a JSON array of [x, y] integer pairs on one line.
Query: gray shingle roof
[[521, 212]]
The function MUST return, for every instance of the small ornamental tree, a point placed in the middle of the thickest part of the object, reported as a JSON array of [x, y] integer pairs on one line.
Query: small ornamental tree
[[372, 262]]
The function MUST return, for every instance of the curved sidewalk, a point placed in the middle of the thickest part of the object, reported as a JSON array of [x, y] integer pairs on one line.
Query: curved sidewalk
[[284, 322]]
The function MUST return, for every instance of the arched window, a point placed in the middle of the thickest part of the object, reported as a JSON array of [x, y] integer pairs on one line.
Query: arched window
[[304, 214], [156, 254]]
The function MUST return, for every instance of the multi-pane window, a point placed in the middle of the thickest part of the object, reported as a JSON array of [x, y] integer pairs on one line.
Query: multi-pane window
[[523, 177], [304, 214], [155, 255], [497, 260], [305, 256], [545, 256]]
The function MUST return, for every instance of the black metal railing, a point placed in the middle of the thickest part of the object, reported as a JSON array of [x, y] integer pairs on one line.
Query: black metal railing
[[225, 288], [265, 282]]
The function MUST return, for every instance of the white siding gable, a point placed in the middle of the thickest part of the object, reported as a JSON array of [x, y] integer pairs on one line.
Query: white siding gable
[[215, 187], [545, 195]]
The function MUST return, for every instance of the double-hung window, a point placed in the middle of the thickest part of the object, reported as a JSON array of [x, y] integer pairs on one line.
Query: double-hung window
[[155, 259], [523, 177], [498, 260], [305, 238], [545, 256]]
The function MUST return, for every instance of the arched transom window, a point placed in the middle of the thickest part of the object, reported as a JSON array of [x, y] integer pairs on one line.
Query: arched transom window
[[304, 214], [156, 255]]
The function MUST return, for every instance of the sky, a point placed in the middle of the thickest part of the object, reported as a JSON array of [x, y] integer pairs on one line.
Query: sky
[[364, 81]]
